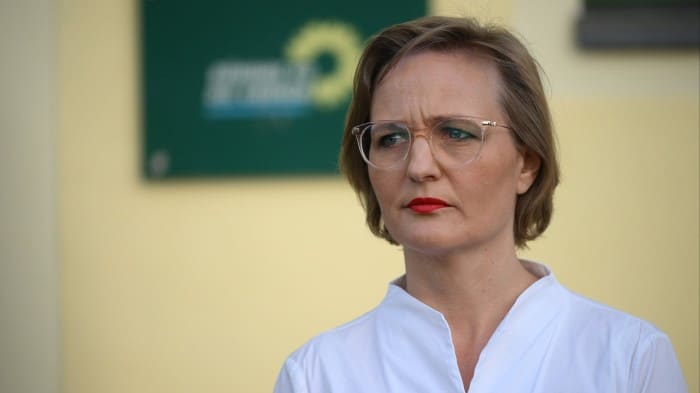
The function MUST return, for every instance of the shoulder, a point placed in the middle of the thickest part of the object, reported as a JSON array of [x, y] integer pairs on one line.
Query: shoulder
[[641, 353], [337, 340], [585, 314], [578, 315], [591, 315]]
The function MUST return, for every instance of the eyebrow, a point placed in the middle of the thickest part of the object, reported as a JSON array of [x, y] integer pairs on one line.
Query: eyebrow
[[439, 118], [432, 119]]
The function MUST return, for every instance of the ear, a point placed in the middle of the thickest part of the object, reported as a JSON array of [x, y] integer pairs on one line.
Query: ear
[[529, 168]]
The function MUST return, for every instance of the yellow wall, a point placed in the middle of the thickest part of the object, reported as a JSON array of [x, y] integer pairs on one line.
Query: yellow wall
[[208, 285]]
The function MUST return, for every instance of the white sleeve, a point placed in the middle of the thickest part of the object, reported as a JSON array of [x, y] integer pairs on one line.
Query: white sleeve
[[291, 379], [655, 368]]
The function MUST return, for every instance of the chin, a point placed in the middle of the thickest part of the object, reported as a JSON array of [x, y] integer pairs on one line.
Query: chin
[[433, 243], [444, 240]]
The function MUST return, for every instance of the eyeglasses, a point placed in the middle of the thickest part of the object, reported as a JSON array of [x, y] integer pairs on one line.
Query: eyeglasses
[[454, 141]]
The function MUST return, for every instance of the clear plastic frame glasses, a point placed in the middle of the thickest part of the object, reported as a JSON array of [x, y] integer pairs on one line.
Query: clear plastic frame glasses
[[454, 141]]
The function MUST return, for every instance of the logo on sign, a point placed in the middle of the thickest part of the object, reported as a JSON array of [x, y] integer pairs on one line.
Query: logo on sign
[[292, 86]]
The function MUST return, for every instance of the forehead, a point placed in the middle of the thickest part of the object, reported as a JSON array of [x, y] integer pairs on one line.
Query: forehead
[[438, 83]]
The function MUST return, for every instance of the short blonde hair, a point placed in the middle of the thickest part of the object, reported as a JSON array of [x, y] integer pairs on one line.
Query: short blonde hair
[[522, 99]]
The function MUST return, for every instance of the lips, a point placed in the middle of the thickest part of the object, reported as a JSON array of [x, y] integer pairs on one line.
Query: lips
[[426, 205]]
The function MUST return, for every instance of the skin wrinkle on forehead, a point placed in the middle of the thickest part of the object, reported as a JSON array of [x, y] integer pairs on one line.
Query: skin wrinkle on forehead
[[423, 112]]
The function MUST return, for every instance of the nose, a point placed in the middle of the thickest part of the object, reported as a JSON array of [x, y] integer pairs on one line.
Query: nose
[[422, 165]]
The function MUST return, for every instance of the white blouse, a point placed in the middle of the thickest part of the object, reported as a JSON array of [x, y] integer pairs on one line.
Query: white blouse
[[551, 340]]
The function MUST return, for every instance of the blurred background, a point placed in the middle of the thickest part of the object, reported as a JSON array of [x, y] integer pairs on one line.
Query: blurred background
[[113, 283]]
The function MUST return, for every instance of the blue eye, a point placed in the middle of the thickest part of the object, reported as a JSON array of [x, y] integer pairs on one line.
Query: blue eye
[[393, 139], [457, 134], [458, 130]]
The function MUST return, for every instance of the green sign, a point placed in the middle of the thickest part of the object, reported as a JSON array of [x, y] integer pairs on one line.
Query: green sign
[[254, 88]]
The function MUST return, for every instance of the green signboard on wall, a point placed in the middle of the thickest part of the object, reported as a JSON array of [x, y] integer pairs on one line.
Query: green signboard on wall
[[232, 88]]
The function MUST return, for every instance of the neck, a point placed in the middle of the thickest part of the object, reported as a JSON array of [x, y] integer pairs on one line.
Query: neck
[[472, 289]]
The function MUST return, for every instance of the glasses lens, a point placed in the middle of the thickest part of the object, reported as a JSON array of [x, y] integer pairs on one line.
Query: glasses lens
[[454, 142], [385, 144], [457, 141]]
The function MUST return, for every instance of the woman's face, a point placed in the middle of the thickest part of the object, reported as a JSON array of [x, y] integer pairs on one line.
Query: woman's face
[[479, 198]]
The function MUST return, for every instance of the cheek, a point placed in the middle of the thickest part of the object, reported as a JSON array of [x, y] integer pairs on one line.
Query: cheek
[[493, 181], [505, 162]]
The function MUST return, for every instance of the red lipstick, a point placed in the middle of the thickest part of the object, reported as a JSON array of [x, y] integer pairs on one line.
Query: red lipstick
[[426, 205]]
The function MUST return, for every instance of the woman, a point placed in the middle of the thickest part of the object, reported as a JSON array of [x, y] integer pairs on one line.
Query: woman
[[449, 145]]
